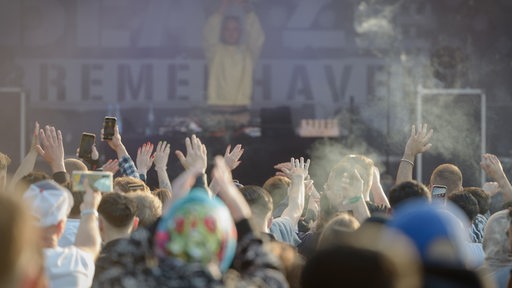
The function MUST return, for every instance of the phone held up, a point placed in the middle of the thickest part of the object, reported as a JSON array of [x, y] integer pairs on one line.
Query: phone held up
[[439, 191], [109, 125], [86, 143], [99, 181]]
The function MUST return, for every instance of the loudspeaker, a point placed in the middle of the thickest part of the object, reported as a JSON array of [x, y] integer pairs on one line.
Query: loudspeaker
[[276, 122], [12, 125]]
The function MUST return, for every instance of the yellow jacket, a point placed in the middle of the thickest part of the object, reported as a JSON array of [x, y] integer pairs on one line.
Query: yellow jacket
[[231, 67]]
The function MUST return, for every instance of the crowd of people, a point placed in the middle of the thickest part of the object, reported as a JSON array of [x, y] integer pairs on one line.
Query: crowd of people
[[211, 231]]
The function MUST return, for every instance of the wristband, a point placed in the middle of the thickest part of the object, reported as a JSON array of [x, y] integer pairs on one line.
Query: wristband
[[353, 200], [89, 212], [408, 161]]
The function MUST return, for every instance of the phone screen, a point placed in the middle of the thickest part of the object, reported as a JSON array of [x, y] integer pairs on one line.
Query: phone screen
[[86, 144], [438, 191], [108, 128], [99, 181]]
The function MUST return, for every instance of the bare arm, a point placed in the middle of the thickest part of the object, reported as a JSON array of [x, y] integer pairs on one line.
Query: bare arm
[[161, 157], [493, 168], [194, 164], [28, 163], [229, 193], [88, 237], [144, 159], [418, 143], [379, 197], [232, 159], [296, 192]]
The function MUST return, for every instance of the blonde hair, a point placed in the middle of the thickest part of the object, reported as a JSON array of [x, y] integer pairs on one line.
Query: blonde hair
[[149, 207]]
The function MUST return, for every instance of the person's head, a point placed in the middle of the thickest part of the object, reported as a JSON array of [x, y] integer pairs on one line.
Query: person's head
[[466, 202], [346, 266], [22, 263], [129, 184], [231, 30], [73, 164], [277, 187], [149, 207], [50, 204], [197, 230], [436, 229], [261, 205], [4, 162], [364, 167], [447, 175], [163, 194], [483, 199], [29, 179], [117, 214], [407, 190], [338, 230], [498, 240], [291, 262]]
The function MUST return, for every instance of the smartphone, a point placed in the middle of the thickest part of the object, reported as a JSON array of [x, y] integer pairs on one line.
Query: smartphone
[[438, 191], [86, 144], [109, 125], [99, 181]]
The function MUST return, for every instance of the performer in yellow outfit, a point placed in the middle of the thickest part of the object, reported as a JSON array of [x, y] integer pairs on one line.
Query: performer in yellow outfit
[[230, 60]]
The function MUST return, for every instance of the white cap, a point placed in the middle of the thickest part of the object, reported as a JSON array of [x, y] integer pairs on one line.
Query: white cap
[[49, 201]]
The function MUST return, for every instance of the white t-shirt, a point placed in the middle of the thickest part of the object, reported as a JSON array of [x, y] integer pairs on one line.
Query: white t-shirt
[[69, 235], [69, 267]]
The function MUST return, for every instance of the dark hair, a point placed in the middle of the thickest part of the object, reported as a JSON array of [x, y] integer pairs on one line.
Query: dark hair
[[4, 161], [448, 175], [407, 190], [466, 202], [481, 197], [342, 266], [117, 209], [258, 199]]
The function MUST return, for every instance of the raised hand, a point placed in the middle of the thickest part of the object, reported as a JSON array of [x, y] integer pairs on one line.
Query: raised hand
[[232, 158], [116, 141], [228, 192], [491, 188], [297, 168], [196, 155], [51, 148], [161, 156], [144, 160], [492, 166], [111, 166], [418, 142], [35, 137]]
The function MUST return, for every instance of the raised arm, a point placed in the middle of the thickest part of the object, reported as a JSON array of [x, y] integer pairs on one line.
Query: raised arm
[[212, 30], [493, 168], [418, 143], [195, 165], [51, 149], [379, 197], [88, 237], [296, 192], [126, 165], [232, 158], [161, 157], [144, 160], [28, 163], [254, 32]]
